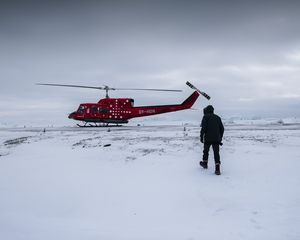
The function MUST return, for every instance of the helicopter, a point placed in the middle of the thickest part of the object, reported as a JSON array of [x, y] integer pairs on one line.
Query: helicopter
[[119, 110]]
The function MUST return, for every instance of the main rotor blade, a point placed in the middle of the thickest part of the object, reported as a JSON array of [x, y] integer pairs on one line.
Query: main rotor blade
[[107, 88], [64, 85], [149, 89]]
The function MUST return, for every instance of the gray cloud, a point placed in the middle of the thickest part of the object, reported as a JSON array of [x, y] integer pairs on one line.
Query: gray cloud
[[245, 54]]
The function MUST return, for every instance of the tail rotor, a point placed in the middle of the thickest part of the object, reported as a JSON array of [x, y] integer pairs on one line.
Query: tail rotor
[[193, 87]]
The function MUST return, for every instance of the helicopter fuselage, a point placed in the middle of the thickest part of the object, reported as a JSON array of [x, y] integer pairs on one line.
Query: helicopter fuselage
[[120, 110]]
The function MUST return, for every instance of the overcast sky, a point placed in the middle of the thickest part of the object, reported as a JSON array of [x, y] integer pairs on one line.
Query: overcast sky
[[245, 54]]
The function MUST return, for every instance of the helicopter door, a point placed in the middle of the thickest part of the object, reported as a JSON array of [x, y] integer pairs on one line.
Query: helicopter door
[[94, 110]]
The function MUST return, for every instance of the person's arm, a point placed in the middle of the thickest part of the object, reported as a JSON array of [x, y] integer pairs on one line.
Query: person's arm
[[203, 129], [221, 129], [202, 121]]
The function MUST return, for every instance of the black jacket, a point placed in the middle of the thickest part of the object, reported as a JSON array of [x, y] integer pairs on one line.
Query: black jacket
[[212, 128]]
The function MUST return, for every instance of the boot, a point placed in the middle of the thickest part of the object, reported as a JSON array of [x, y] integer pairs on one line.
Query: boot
[[217, 171], [203, 164]]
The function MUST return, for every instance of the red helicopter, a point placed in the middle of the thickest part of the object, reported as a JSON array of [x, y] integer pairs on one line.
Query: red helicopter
[[120, 110]]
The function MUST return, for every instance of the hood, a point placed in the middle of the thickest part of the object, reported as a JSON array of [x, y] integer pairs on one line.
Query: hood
[[209, 109]]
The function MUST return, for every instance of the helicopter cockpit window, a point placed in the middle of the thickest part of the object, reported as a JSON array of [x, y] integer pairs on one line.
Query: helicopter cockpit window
[[103, 110], [94, 110], [132, 102], [81, 110]]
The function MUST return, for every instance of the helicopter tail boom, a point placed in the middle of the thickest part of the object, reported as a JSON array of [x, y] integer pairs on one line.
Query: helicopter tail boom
[[159, 109], [191, 100]]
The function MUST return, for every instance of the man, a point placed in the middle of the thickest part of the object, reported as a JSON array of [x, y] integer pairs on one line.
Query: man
[[211, 134]]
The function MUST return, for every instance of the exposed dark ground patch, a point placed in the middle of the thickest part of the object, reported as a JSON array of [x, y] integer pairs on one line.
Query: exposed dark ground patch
[[16, 141]]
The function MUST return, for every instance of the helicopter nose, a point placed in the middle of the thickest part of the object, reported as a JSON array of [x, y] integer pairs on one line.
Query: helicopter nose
[[72, 115]]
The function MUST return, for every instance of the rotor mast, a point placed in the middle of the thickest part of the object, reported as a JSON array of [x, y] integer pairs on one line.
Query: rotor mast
[[106, 88]]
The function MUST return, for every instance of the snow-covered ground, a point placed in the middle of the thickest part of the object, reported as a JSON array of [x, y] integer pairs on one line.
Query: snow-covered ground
[[145, 182]]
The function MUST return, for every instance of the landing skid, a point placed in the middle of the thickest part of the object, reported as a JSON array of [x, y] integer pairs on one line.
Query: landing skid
[[86, 124]]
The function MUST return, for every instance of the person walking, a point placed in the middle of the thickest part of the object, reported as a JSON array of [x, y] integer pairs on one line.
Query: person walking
[[211, 134]]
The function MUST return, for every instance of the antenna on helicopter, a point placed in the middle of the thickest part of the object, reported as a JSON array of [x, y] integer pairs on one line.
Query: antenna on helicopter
[[202, 93], [107, 88]]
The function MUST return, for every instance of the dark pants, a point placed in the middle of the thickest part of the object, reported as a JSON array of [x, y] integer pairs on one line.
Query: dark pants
[[216, 149]]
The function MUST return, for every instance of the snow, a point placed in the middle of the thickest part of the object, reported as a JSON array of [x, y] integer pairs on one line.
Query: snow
[[261, 121], [145, 182]]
